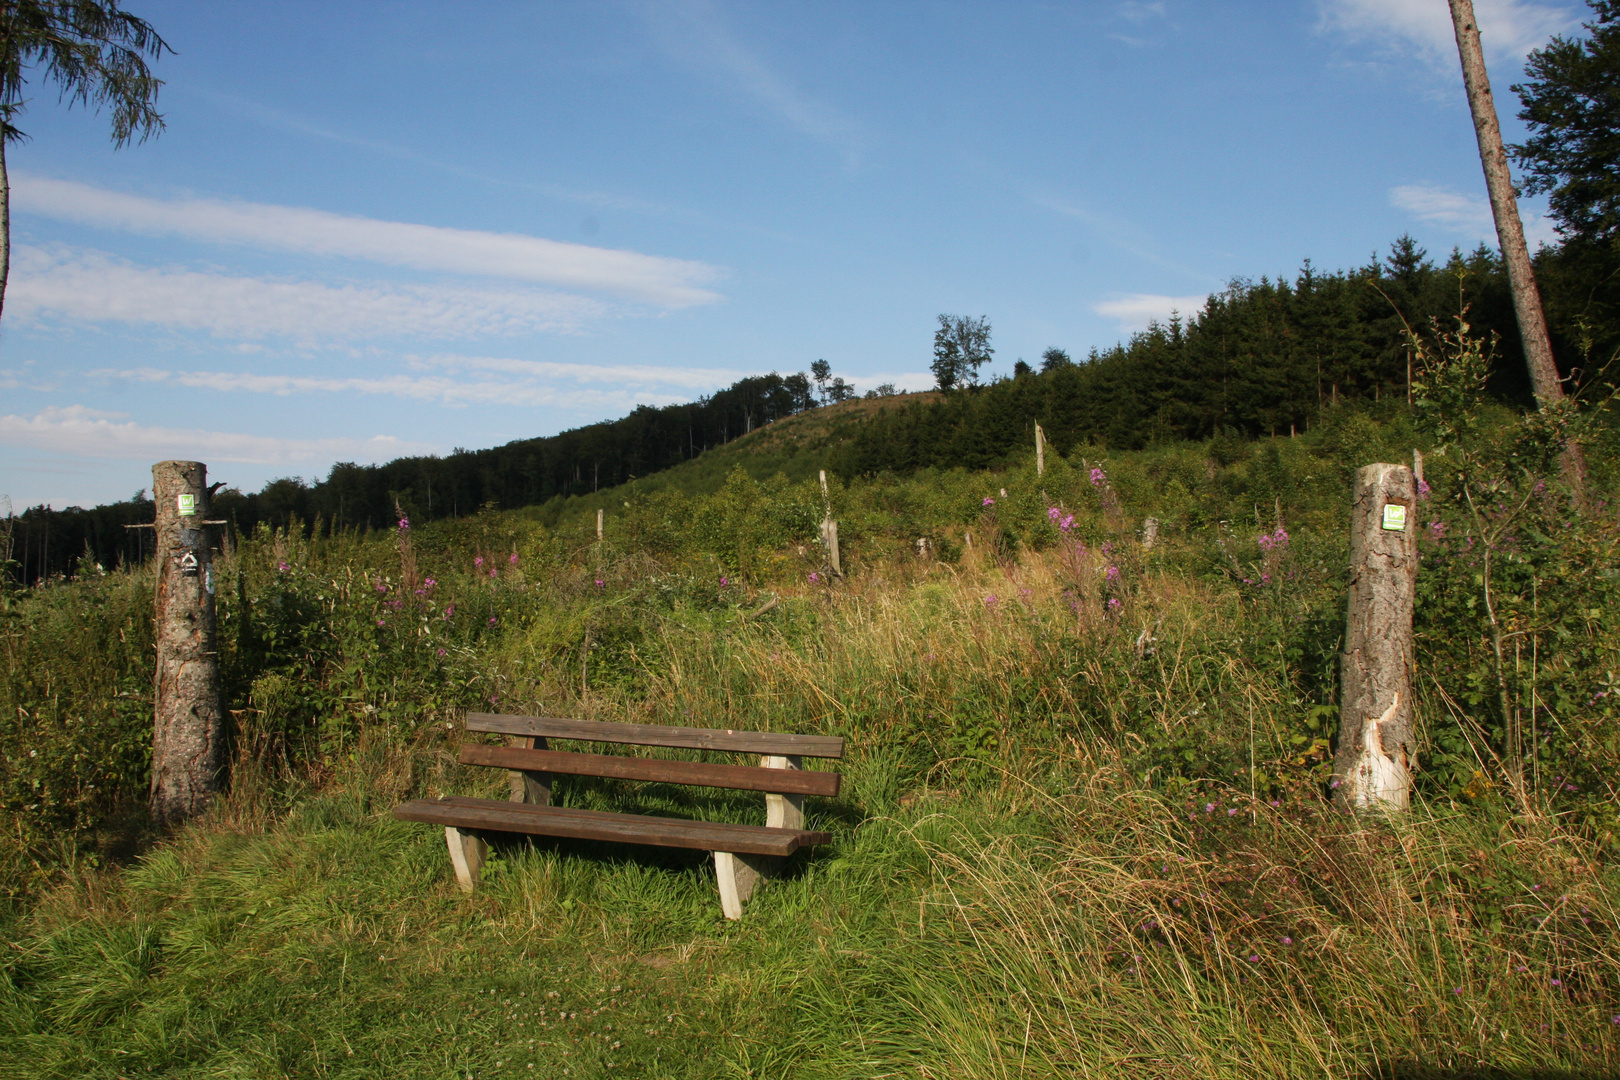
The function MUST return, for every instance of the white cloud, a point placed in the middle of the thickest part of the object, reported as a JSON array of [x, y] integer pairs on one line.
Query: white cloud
[[523, 393], [1464, 214], [641, 374], [1136, 310], [696, 34], [664, 282], [78, 431], [1138, 11], [1508, 29], [91, 286]]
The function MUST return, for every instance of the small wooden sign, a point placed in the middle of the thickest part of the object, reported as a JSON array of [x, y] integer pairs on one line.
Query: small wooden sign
[[1394, 517]]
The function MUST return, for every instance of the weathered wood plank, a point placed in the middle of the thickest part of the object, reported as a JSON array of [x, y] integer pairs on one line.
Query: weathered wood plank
[[491, 814], [784, 781], [745, 742]]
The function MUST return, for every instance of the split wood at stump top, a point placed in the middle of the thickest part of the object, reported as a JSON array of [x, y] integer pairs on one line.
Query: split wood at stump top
[[1376, 749], [188, 735]]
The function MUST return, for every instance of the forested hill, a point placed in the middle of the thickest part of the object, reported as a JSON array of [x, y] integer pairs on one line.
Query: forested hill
[[41, 542], [1260, 357]]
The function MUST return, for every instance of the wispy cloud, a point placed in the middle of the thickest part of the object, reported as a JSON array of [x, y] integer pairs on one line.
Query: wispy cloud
[[289, 122], [1112, 230], [1136, 310], [621, 374], [652, 279], [78, 431], [91, 286], [1508, 29], [1465, 215], [574, 386], [1141, 11], [696, 34]]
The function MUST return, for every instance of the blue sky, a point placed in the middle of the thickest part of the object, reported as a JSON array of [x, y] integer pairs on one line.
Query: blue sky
[[374, 229]]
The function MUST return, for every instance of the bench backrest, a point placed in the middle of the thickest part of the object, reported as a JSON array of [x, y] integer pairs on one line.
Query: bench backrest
[[779, 774]]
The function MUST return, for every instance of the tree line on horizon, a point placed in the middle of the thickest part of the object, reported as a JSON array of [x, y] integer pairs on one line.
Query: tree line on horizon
[[1262, 358]]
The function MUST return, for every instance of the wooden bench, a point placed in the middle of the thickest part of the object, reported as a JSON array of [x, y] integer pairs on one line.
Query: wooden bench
[[742, 853]]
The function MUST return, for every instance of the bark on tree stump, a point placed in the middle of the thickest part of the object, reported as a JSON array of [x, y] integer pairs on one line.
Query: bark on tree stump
[[1376, 749], [188, 736]]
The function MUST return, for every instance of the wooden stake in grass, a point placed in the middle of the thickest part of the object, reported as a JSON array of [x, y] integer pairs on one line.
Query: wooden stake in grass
[[1376, 747], [1040, 450], [188, 735]]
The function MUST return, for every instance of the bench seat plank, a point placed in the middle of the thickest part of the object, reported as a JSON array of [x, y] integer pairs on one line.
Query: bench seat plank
[[465, 813], [745, 742], [700, 773]]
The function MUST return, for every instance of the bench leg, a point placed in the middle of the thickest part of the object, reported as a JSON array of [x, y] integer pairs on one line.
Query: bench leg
[[783, 811], [532, 788], [739, 875], [467, 854]]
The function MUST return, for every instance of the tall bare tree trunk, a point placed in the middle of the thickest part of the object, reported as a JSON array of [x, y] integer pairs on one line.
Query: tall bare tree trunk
[[1376, 749], [188, 735], [1510, 232], [5, 219]]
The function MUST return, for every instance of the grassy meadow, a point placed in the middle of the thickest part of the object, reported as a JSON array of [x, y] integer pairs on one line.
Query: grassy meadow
[[1085, 826]]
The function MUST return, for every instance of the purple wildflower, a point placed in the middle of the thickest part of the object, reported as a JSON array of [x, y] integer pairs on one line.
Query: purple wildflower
[[404, 524], [513, 558], [988, 501], [814, 577], [1098, 477], [1112, 574]]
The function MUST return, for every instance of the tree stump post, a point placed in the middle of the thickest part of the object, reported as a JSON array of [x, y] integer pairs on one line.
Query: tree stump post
[[188, 736], [1372, 767]]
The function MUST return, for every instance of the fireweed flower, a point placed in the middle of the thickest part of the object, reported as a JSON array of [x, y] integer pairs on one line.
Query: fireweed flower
[[1098, 477], [600, 584], [988, 501], [404, 524], [513, 558], [1114, 604], [814, 577], [1053, 512], [478, 560], [1112, 573]]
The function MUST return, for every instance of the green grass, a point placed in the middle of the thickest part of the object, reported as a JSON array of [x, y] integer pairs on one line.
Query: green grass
[[1043, 928], [1084, 829]]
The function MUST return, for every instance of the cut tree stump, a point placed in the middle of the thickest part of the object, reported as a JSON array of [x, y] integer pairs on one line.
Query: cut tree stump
[[1372, 767]]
